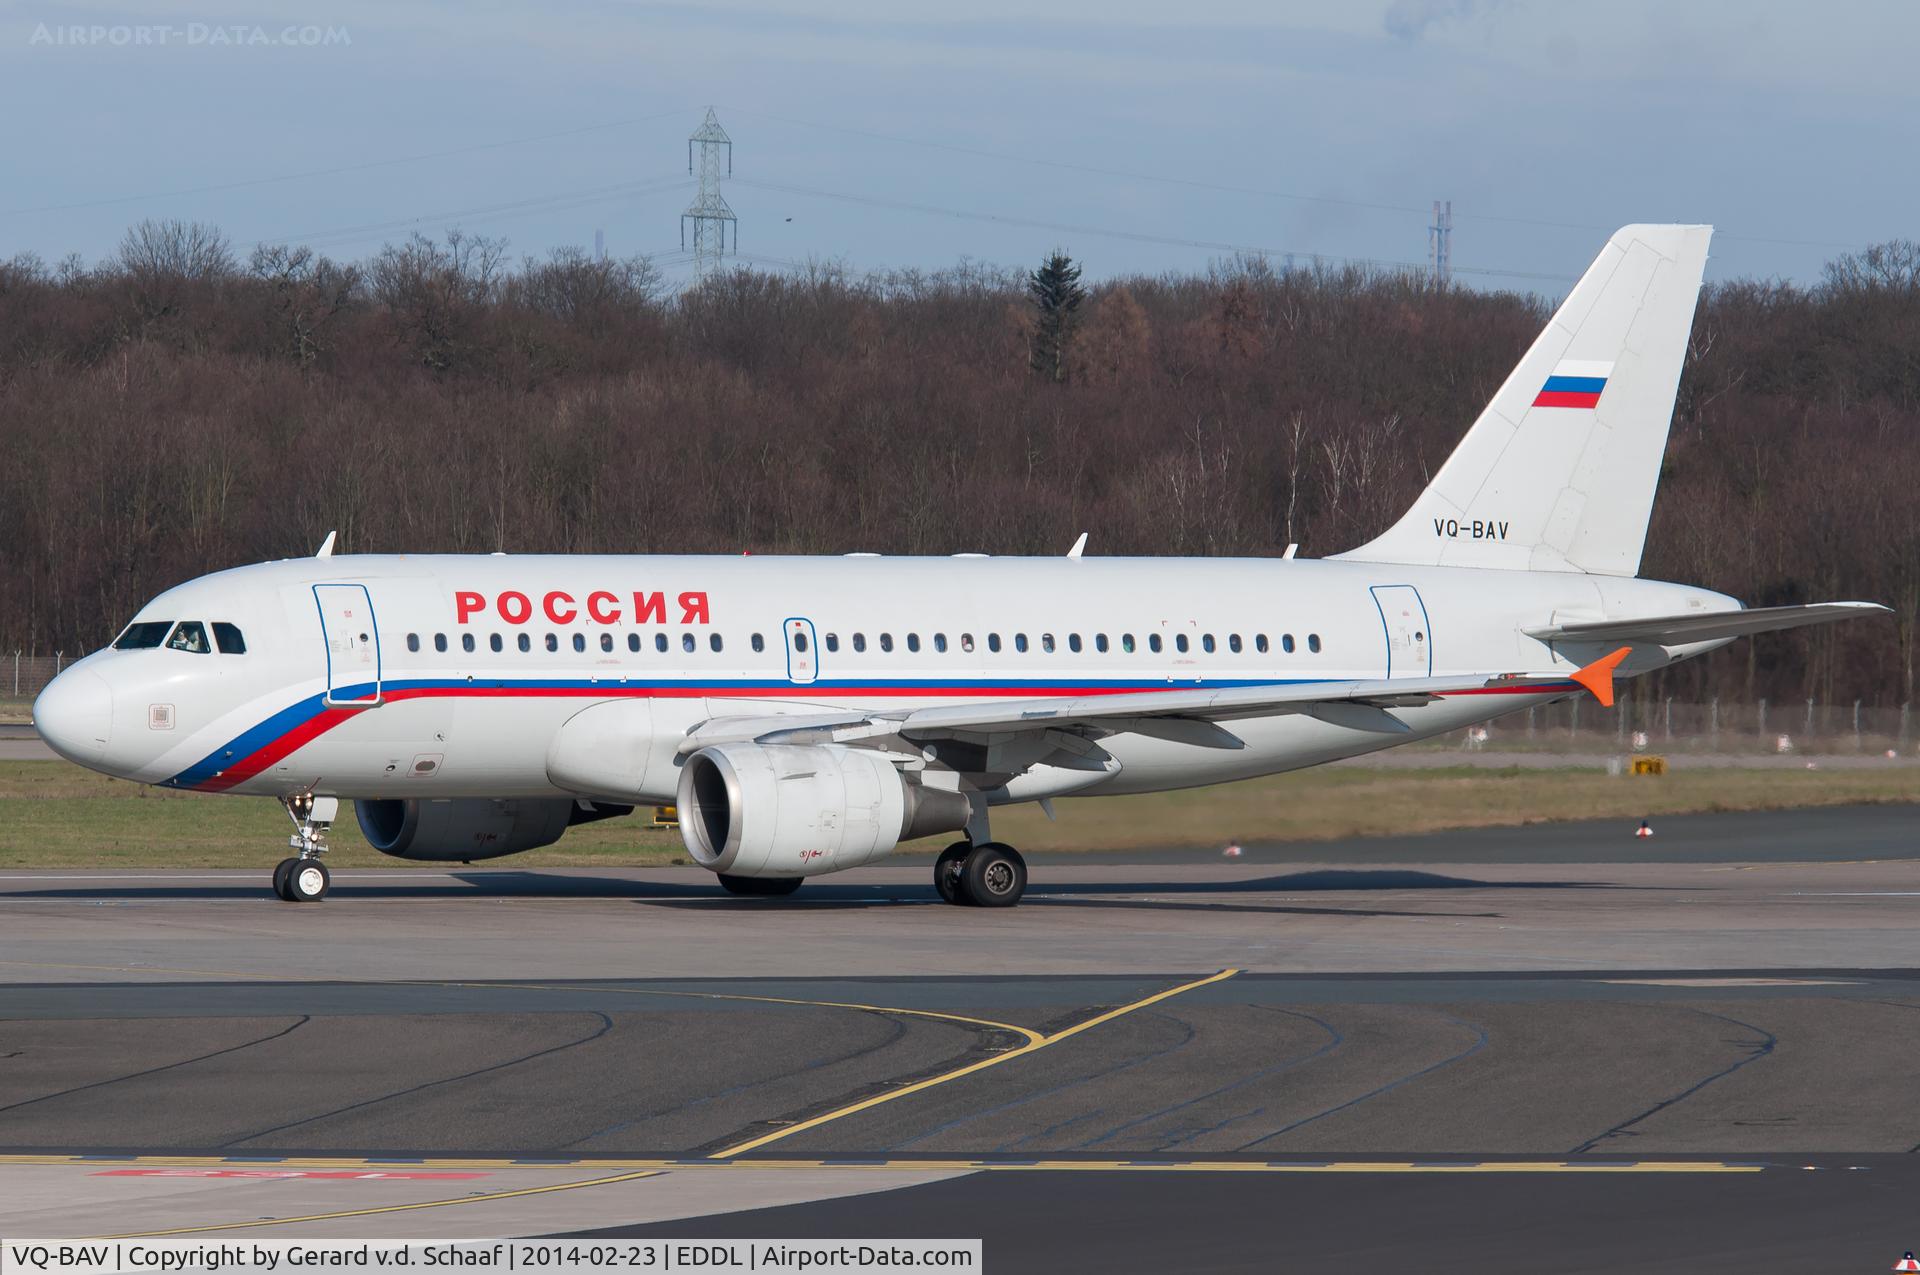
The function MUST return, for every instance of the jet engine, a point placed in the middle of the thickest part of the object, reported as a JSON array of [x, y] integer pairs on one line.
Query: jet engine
[[460, 830], [791, 810]]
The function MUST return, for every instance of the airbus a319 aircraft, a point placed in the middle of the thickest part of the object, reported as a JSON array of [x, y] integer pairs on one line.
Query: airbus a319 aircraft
[[808, 714]]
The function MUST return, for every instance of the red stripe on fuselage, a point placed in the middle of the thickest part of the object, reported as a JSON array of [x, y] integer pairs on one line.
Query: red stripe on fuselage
[[255, 762], [324, 721]]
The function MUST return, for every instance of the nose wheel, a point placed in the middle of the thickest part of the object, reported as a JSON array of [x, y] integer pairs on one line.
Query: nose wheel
[[303, 878], [989, 875]]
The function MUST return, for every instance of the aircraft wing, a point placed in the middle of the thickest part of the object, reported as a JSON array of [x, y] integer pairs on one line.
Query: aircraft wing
[[1708, 626], [1186, 715]]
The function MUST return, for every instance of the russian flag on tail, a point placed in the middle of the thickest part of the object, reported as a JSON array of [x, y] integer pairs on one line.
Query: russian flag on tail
[[1574, 383]]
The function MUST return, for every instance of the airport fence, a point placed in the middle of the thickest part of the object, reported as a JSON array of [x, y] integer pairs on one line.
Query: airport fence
[[1580, 725], [23, 676], [1572, 726]]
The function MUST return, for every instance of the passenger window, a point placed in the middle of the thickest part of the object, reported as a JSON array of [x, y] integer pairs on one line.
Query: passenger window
[[494, 643], [633, 643], [1286, 643], [1180, 643], [1206, 643], [913, 641], [579, 642], [143, 636], [833, 641], [859, 641], [714, 643], [228, 636], [440, 642], [525, 643], [1020, 642], [413, 641], [1073, 642], [886, 641], [799, 640], [993, 643], [1100, 643], [1313, 643], [1233, 643], [467, 643], [189, 635], [758, 642], [1260, 643], [553, 641], [940, 642], [1153, 643], [660, 642], [1126, 643], [606, 641], [687, 643], [966, 643], [1046, 643]]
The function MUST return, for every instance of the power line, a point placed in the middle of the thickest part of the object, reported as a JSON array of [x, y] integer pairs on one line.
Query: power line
[[1225, 188], [547, 203], [345, 168], [1140, 237]]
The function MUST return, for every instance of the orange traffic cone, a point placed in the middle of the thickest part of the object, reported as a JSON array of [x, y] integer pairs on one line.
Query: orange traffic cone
[[1907, 1264], [1644, 830]]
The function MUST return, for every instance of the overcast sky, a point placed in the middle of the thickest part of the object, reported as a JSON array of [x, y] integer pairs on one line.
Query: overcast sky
[[890, 133]]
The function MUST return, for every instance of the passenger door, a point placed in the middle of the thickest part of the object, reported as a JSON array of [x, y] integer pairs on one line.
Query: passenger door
[[352, 641], [1409, 640], [803, 651]]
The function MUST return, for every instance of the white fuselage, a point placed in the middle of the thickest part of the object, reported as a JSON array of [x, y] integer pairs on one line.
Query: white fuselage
[[451, 676]]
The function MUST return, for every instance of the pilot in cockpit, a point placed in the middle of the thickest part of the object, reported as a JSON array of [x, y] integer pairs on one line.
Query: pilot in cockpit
[[189, 636]]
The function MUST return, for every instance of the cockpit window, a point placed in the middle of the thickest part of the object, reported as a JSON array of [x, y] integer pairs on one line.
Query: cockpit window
[[189, 635], [143, 636], [228, 636]]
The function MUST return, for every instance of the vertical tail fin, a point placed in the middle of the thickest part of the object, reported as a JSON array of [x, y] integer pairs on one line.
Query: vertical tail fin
[[1558, 473]]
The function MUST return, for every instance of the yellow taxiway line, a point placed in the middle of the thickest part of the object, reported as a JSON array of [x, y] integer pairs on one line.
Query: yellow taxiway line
[[1035, 1043]]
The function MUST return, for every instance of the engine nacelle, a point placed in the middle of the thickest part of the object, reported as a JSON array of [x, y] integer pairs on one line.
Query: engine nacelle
[[459, 830], [792, 810]]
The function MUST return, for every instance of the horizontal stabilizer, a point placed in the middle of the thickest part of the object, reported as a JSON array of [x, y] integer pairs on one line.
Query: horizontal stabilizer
[[1705, 626]]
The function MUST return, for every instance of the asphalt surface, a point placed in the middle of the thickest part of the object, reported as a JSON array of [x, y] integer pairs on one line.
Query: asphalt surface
[[1839, 1215], [585, 1050]]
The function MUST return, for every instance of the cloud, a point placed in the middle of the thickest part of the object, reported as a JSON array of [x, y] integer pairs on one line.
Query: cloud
[[1409, 19]]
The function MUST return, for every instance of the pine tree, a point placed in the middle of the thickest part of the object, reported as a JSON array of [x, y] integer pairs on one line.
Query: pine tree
[[1057, 294]]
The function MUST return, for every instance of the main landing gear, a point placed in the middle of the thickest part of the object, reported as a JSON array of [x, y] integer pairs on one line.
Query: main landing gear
[[989, 875], [303, 878]]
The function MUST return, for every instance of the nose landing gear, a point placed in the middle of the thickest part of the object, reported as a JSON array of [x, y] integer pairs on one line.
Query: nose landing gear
[[303, 878]]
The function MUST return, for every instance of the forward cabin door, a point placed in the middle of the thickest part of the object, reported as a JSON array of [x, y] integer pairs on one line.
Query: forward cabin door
[[352, 644], [1409, 640], [803, 651]]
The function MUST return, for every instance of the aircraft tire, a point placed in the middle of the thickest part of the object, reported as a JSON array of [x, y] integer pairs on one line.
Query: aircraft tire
[[995, 876], [307, 881], [280, 873], [948, 870], [759, 887]]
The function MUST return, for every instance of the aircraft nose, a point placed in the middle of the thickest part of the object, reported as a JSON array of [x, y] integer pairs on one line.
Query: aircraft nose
[[75, 714]]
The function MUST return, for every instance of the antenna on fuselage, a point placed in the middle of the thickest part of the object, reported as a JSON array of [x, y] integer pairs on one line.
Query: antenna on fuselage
[[326, 546], [1079, 546]]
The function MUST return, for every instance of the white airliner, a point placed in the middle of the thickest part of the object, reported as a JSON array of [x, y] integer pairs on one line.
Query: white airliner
[[808, 714]]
